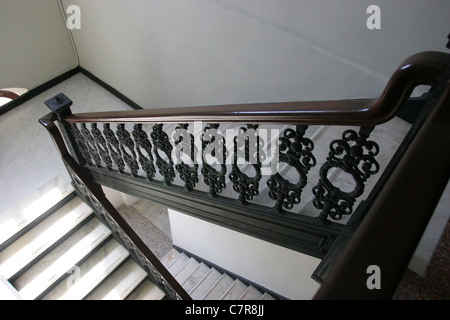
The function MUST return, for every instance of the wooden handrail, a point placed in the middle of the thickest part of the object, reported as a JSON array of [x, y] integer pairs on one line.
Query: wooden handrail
[[8, 94], [420, 69], [395, 223]]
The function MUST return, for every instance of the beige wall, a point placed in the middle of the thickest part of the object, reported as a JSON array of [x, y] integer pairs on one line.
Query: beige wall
[[34, 43], [201, 52]]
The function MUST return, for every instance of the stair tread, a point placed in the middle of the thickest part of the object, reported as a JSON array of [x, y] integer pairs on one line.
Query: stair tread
[[170, 257], [178, 263], [41, 237], [235, 291], [219, 288], [200, 290], [91, 273], [188, 268], [251, 293], [121, 283], [28, 210], [195, 278], [61, 259], [146, 291]]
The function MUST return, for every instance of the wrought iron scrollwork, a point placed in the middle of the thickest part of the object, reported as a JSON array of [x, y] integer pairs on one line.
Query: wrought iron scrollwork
[[79, 139], [144, 144], [113, 147], [248, 142], [296, 151], [213, 143], [161, 142], [357, 160], [188, 173], [90, 144], [126, 145], [102, 146]]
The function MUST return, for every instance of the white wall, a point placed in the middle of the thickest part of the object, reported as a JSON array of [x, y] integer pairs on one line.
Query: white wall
[[34, 43], [201, 52], [278, 269]]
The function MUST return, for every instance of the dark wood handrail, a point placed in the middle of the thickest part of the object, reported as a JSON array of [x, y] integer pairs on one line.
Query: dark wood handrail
[[8, 94], [395, 223], [420, 69], [48, 122]]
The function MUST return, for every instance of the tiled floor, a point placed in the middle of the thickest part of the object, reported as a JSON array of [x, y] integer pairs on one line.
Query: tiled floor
[[28, 160]]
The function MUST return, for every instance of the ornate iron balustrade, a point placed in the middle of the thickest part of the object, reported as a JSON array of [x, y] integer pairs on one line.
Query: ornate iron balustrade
[[166, 156], [153, 152]]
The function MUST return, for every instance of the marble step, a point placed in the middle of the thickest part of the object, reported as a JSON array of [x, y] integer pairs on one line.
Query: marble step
[[147, 290], [186, 271], [203, 287], [121, 283], [251, 293], [176, 266], [35, 281], [219, 288], [235, 291], [36, 241], [15, 219], [90, 273], [197, 275]]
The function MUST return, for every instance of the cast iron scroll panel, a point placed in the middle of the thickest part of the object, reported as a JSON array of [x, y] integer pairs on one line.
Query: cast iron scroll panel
[[213, 178], [144, 151], [188, 171], [355, 155], [296, 151], [247, 143], [161, 142]]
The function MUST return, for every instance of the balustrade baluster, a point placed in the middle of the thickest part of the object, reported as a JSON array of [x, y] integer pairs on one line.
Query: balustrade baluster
[[102, 146], [247, 142], [185, 143], [114, 147], [296, 151], [161, 142], [126, 145], [142, 142], [213, 143], [355, 155]]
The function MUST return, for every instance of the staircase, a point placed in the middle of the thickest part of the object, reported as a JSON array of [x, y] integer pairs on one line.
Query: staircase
[[53, 247], [203, 282]]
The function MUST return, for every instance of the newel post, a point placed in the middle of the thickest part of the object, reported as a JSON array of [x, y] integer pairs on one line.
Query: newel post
[[60, 106]]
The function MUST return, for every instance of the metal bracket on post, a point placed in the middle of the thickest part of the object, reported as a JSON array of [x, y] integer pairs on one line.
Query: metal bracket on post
[[60, 105]]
